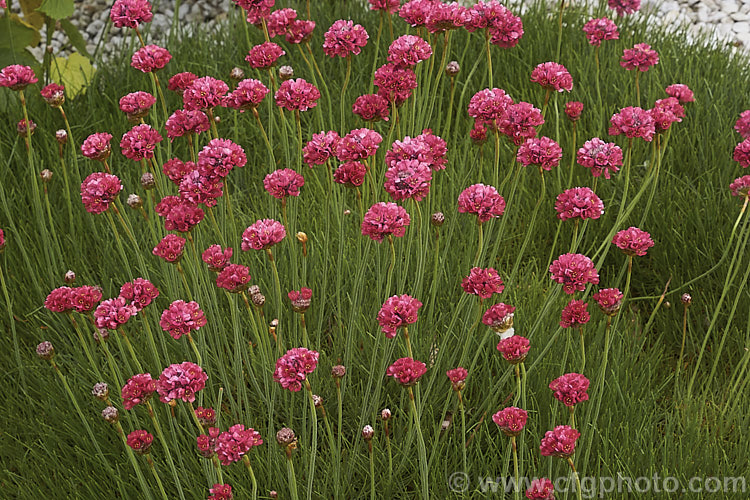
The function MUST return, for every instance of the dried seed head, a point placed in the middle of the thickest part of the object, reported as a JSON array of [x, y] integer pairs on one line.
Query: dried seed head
[[317, 401], [100, 391], [70, 277], [258, 299], [61, 136], [273, 494], [274, 323], [45, 350], [134, 201], [367, 432], [285, 436], [147, 181], [438, 218], [385, 414], [110, 414], [686, 299], [285, 73], [338, 371], [347, 212], [302, 237], [101, 334], [236, 74], [46, 175], [452, 68]]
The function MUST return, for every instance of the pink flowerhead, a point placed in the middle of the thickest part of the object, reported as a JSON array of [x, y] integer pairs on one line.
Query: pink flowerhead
[[389, 6], [489, 105], [742, 125], [640, 57], [371, 108], [257, 10], [320, 148], [552, 76], [232, 444], [578, 203], [263, 234], [520, 121], [136, 105], [573, 271], [204, 93], [53, 94], [248, 95], [206, 416], [633, 122], [278, 21], [408, 179], [457, 376], [506, 29], [575, 314], [233, 278], [573, 110], [201, 189], [541, 489], [478, 133], [609, 300], [180, 381], [681, 92], [297, 95], [344, 38], [511, 420], [625, 6], [17, 77], [139, 292], [499, 317], [740, 187], [98, 191], [407, 371], [219, 157], [170, 248], [385, 219], [560, 442], [666, 112], [216, 258], [395, 83], [570, 389], [484, 201], [600, 157], [742, 153], [283, 182], [181, 318], [514, 349], [633, 241], [85, 298], [408, 50], [150, 58], [358, 144], [300, 299], [183, 122], [542, 152], [264, 56], [350, 174], [181, 81], [96, 146], [112, 313], [130, 13], [59, 300], [221, 491], [293, 367], [140, 441], [138, 389], [415, 12], [176, 170], [140, 142], [2, 240], [598, 30], [398, 311], [483, 282], [207, 442], [447, 16], [300, 31]]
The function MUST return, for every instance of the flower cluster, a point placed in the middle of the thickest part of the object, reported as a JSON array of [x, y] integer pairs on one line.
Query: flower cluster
[[112, 313], [183, 122], [180, 81], [180, 381], [398, 311], [681, 92], [570, 389], [408, 51], [371, 108], [519, 122], [540, 151], [575, 314], [552, 76], [297, 95], [216, 258], [511, 420], [294, 366], [600, 157], [54, 95], [344, 38], [140, 142], [263, 234], [633, 122], [17, 77], [484, 201], [504, 28], [150, 58], [248, 95], [385, 219], [740, 187], [598, 30], [96, 146], [320, 148], [457, 376], [138, 389], [560, 442], [98, 191], [204, 93], [579, 202], [514, 349], [235, 442], [181, 318], [395, 83], [633, 241], [234, 278], [609, 300], [130, 13], [499, 317], [140, 441], [666, 112], [170, 248], [300, 299], [408, 179], [283, 182], [573, 110], [573, 271], [350, 174], [264, 56], [624, 6], [482, 282], [407, 371], [358, 144], [136, 105], [139, 292]]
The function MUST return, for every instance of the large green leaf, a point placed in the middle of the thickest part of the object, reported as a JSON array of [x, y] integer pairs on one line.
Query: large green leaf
[[19, 36], [28, 7], [75, 37], [57, 9], [75, 72]]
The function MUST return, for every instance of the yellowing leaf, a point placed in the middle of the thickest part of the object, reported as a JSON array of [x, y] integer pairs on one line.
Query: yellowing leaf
[[28, 7], [75, 72]]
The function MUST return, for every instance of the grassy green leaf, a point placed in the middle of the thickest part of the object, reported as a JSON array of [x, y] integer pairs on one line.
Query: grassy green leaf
[[19, 36]]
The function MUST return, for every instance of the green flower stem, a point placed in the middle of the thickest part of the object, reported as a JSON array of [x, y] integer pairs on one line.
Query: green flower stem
[[516, 485], [150, 462], [599, 108], [578, 479], [389, 274], [377, 48], [72, 141], [314, 445], [390, 457], [496, 171], [121, 331], [572, 410], [292, 478], [423, 472], [184, 281], [682, 348], [343, 89], [278, 295], [246, 461], [489, 55], [372, 469], [265, 137], [165, 444], [408, 342], [12, 323], [463, 431], [334, 452], [583, 349], [198, 357], [559, 30], [85, 346], [214, 130], [530, 229], [480, 244]]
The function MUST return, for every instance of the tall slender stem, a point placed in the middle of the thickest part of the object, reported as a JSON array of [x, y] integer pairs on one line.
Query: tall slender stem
[[423, 471], [156, 476], [343, 89]]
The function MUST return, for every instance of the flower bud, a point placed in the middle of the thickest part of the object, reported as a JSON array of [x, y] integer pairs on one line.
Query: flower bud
[[285, 73], [206, 416], [347, 212], [134, 201], [236, 74], [46, 175], [438, 218], [317, 401], [147, 181], [286, 437], [686, 299], [217, 119], [257, 298], [45, 350], [21, 127], [338, 371], [273, 494], [101, 334], [70, 277], [61, 136], [367, 432], [100, 391], [110, 414], [385, 414], [302, 237], [452, 68]]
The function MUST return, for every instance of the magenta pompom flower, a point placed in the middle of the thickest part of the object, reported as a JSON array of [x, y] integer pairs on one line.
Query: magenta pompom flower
[[483, 201], [140, 441], [575, 314], [140, 292], [609, 300], [84, 298], [297, 95], [385, 219], [560, 442], [300, 31], [511, 420], [257, 10], [136, 105], [389, 6], [398, 311], [573, 110], [206, 416], [483, 282], [499, 317], [542, 152], [283, 183], [183, 217], [2, 240], [350, 174], [320, 148], [300, 299], [183, 122], [170, 248], [98, 191], [506, 30], [180, 381], [140, 142], [344, 38], [293, 368], [408, 179], [278, 21], [519, 122], [457, 376], [371, 108], [264, 56], [263, 234], [741, 186], [59, 300], [53, 94], [221, 491], [633, 241], [234, 278], [150, 58], [625, 6], [489, 105], [578, 203], [681, 92], [181, 81], [742, 153], [415, 12], [666, 112], [201, 189], [17, 77], [138, 389], [573, 271], [598, 30], [514, 349], [541, 489], [182, 318], [234, 443], [204, 93], [552, 76], [600, 157], [219, 157], [640, 57], [248, 95], [112, 313], [216, 258], [408, 50], [447, 16], [176, 170], [96, 146], [130, 13], [395, 83], [407, 371], [742, 125], [358, 144], [633, 122]]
